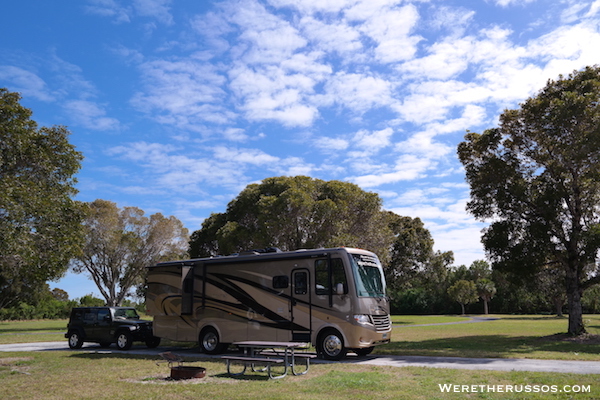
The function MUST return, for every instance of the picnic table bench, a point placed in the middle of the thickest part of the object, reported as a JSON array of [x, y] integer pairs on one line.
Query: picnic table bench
[[268, 353]]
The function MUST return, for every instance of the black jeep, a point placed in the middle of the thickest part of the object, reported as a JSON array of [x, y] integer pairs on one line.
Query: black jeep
[[106, 325]]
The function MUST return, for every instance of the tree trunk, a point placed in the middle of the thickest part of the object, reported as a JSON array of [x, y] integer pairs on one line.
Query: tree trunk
[[485, 306], [574, 292], [463, 308], [558, 305]]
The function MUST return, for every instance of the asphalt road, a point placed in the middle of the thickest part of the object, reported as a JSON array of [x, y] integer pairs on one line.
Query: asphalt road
[[495, 364]]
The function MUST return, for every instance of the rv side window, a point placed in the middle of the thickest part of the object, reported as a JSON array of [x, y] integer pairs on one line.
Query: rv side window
[[338, 275], [300, 282], [281, 282]]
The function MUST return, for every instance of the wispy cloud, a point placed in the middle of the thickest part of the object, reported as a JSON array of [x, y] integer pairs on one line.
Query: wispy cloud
[[125, 11]]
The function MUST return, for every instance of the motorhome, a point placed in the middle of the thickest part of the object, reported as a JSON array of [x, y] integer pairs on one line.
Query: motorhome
[[332, 298]]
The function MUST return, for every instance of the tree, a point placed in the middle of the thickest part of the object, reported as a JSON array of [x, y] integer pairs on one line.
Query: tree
[[119, 243], [537, 176], [465, 292], [40, 223], [294, 213], [486, 290], [411, 252]]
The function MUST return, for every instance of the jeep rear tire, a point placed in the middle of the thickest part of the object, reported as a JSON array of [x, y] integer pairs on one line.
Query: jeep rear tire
[[75, 341]]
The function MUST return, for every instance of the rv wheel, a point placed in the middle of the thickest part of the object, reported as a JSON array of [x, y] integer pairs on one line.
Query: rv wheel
[[331, 345], [210, 343]]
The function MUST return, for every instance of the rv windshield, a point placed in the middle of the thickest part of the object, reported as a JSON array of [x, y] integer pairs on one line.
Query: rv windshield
[[368, 275]]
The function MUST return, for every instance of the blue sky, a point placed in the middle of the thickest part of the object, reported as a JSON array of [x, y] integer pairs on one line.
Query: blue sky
[[178, 105]]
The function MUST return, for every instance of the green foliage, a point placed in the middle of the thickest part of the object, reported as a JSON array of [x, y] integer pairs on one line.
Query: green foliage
[[464, 292], [42, 305], [120, 243], [39, 221], [411, 254], [90, 301], [293, 213], [537, 176]]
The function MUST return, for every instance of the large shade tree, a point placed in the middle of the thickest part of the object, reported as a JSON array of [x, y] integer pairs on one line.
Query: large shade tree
[[537, 177], [121, 242], [39, 220], [413, 263], [294, 213]]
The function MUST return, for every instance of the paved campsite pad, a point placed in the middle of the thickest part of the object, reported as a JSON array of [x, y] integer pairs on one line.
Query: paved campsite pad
[[494, 364]]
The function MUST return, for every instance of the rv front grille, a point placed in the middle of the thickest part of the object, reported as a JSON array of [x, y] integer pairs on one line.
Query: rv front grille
[[382, 322]]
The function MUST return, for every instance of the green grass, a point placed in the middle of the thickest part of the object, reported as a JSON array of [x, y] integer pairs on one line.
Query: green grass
[[32, 331], [510, 336], [82, 375], [426, 319]]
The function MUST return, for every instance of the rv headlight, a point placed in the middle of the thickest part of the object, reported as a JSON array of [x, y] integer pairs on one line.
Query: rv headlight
[[362, 319]]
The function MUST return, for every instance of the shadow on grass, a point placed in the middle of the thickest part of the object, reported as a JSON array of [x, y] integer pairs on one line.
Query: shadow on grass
[[492, 346], [534, 318]]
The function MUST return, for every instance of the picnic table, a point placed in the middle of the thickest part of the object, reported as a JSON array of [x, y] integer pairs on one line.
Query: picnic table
[[267, 353]]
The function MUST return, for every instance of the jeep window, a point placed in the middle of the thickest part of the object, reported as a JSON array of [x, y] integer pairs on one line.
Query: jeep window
[[128, 313], [90, 316], [102, 314], [77, 315]]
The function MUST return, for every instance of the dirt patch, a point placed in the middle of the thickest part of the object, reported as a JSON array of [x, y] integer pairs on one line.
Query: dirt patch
[[14, 364], [584, 338], [165, 380], [12, 361]]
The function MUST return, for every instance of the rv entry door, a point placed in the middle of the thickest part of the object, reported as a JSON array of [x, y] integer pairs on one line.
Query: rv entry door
[[301, 305]]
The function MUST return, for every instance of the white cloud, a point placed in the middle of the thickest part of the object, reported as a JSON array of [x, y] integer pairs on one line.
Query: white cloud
[[193, 172], [185, 93], [25, 82], [264, 37], [391, 29], [244, 156], [331, 144], [407, 167], [272, 94], [358, 92], [90, 115], [120, 12], [314, 6], [108, 8], [506, 3], [332, 36], [158, 9], [372, 142]]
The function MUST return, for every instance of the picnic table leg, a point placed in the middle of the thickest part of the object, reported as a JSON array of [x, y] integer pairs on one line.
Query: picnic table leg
[[237, 373], [307, 360], [285, 366]]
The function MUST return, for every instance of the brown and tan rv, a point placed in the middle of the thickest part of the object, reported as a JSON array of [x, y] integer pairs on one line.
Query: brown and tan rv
[[332, 298]]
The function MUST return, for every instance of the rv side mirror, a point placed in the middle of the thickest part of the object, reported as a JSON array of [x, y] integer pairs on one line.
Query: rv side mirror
[[339, 288]]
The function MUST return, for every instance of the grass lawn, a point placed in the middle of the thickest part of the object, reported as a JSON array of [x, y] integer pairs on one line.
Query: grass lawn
[[510, 336], [83, 375], [97, 375]]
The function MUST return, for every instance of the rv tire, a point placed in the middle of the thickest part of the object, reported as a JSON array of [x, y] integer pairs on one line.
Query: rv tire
[[209, 341], [331, 345]]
